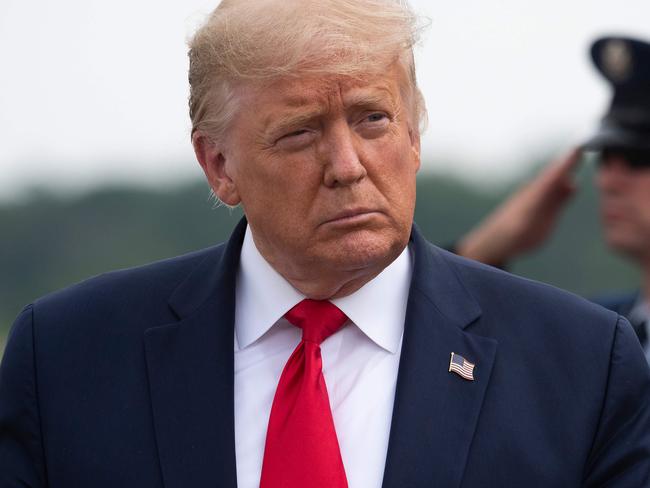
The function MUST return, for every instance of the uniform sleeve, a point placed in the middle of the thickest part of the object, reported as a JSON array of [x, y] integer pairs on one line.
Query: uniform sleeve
[[620, 455], [21, 447]]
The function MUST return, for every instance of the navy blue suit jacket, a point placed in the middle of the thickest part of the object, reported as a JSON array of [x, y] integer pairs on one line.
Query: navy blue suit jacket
[[623, 304], [126, 380]]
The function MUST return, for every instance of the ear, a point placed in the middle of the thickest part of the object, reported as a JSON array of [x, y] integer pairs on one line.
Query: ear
[[414, 136], [212, 159]]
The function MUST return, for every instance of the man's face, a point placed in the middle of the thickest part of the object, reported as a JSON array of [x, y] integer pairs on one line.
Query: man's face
[[325, 171], [625, 205]]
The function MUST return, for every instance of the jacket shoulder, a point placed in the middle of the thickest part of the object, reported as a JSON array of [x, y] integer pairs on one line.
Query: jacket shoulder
[[122, 296], [479, 274], [531, 304]]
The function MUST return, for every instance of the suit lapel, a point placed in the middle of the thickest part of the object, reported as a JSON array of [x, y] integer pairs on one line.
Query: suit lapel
[[436, 412], [191, 375]]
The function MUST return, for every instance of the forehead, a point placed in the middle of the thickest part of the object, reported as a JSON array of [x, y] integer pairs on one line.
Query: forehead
[[295, 93]]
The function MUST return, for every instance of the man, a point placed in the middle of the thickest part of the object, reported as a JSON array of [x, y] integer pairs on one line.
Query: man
[[351, 366], [525, 221]]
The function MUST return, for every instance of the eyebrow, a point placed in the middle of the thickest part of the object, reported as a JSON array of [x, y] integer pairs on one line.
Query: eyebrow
[[361, 99]]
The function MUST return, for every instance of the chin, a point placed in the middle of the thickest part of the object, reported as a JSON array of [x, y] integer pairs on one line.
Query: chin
[[367, 249], [628, 247]]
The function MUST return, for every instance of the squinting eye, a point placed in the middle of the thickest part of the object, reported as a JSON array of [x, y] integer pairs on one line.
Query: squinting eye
[[295, 133], [296, 139]]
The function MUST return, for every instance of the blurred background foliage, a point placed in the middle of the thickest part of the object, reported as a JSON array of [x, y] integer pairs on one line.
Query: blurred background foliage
[[51, 241]]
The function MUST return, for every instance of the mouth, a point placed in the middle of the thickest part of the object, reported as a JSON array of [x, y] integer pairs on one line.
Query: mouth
[[612, 213], [352, 216]]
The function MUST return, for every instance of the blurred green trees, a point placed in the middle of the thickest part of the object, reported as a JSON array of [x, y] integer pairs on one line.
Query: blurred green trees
[[48, 242]]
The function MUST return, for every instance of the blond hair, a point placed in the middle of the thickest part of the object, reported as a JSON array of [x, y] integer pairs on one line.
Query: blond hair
[[265, 40]]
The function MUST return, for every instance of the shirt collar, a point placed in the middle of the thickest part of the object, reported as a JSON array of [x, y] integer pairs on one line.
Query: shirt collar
[[263, 296], [378, 308]]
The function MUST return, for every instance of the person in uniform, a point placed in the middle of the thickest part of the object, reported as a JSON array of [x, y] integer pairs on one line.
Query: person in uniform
[[525, 221]]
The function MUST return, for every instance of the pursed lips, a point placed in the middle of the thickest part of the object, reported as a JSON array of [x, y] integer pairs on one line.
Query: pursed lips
[[350, 216]]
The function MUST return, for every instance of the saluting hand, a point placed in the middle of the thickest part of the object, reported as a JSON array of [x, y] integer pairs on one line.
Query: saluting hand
[[525, 220]]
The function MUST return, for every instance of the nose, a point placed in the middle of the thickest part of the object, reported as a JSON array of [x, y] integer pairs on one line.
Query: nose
[[341, 157], [613, 175]]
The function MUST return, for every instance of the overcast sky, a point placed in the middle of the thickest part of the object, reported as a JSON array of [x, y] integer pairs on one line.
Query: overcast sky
[[94, 91]]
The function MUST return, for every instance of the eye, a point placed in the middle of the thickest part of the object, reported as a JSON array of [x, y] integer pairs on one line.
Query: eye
[[373, 124], [295, 140], [295, 133], [376, 117]]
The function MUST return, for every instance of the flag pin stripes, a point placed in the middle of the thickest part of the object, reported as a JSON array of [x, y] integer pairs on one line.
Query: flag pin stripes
[[461, 366]]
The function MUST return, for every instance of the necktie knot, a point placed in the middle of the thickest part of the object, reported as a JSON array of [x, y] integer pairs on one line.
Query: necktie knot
[[318, 319]]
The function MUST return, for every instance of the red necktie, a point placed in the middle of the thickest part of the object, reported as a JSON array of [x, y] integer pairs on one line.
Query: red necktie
[[302, 450]]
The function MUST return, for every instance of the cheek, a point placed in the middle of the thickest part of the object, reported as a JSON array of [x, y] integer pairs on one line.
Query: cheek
[[643, 205], [265, 179], [394, 168], [401, 169], [640, 190], [278, 196]]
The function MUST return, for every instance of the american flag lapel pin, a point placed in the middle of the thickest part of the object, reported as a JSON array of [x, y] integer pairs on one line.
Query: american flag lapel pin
[[461, 366]]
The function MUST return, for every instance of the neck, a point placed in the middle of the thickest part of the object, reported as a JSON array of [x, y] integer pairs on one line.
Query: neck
[[331, 287]]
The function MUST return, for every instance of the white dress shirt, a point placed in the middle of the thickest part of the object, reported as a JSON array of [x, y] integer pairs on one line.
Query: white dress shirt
[[360, 363]]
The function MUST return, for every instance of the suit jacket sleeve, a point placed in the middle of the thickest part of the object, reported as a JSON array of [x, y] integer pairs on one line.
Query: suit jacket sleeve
[[620, 455], [21, 447]]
